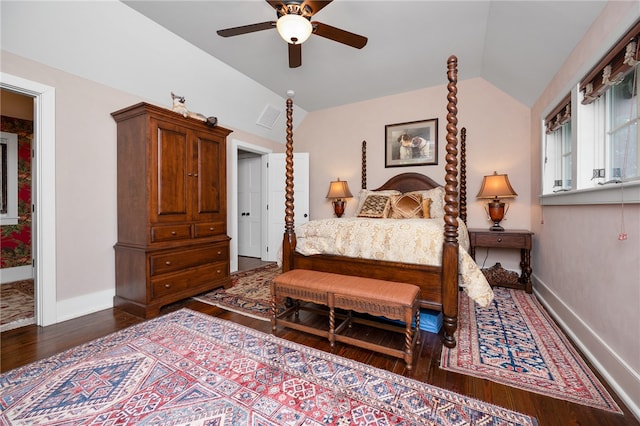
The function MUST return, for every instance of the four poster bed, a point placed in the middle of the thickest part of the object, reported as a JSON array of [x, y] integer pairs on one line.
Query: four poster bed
[[439, 271]]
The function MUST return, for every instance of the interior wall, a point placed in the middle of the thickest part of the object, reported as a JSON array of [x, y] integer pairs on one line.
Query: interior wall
[[86, 210], [585, 275], [497, 140]]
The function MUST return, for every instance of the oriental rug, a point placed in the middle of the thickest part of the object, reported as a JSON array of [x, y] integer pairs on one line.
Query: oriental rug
[[17, 305], [249, 294], [514, 342], [190, 368]]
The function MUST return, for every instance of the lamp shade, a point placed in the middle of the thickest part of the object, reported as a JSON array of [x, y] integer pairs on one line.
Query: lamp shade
[[339, 189], [496, 186], [294, 29]]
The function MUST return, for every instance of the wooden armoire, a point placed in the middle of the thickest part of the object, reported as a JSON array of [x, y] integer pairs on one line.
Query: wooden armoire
[[172, 207]]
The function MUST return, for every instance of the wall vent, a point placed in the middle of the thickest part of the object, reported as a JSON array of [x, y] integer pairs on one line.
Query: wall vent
[[269, 116]]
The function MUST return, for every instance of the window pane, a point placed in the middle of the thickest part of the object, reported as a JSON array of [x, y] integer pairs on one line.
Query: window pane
[[623, 130]]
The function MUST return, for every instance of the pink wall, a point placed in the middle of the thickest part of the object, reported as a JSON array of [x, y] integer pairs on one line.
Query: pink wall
[[497, 139], [585, 275]]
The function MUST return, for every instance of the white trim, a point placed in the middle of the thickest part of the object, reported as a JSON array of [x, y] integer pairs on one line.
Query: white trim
[[615, 370], [86, 304], [232, 194], [44, 192], [613, 193], [18, 273]]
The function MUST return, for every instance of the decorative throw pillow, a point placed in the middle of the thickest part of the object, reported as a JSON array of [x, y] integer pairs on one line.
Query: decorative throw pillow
[[406, 206], [376, 206], [437, 200], [365, 192], [426, 208]]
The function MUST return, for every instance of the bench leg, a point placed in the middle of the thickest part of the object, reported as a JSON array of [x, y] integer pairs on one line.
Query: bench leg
[[274, 307], [332, 321]]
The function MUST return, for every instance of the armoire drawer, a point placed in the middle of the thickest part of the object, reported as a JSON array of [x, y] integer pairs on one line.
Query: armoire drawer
[[182, 259], [170, 233], [174, 283], [210, 228]]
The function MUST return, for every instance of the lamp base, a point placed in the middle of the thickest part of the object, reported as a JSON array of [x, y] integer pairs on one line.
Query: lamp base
[[496, 213], [338, 207]]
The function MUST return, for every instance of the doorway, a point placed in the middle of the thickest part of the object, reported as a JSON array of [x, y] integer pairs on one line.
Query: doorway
[[240, 150], [43, 193]]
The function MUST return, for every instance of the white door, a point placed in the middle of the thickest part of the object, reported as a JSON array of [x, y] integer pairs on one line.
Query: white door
[[249, 210], [276, 175]]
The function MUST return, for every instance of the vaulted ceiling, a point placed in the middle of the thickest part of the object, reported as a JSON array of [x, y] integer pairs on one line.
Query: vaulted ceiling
[[517, 46]]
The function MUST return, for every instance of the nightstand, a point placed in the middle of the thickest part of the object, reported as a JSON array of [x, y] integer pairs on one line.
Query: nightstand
[[511, 239]]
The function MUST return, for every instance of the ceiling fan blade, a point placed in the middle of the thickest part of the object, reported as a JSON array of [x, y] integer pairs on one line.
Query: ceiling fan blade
[[295, 55], [245, 29], [309, 7], [341, 36]]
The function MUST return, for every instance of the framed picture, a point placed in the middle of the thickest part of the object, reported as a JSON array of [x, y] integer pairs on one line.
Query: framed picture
[[411, 144]]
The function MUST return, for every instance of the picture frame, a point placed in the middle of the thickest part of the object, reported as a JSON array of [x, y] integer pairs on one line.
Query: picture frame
[[414, 143]]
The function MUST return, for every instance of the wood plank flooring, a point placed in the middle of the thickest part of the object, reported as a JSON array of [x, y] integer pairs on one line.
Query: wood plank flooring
[[27, 344]]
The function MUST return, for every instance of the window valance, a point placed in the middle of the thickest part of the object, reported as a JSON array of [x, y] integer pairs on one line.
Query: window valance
[[611, 69], [560, 115]]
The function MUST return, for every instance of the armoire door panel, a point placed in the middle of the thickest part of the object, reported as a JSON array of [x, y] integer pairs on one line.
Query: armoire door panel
[[173, 175], [210, 192]]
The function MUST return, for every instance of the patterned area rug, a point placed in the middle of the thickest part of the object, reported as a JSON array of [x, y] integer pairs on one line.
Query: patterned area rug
[[190, 368], [515, 342], [16, 305], [249, 294]]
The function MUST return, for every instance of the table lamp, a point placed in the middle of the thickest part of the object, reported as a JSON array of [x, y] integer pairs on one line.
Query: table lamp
[[338, 190], [496, 187]]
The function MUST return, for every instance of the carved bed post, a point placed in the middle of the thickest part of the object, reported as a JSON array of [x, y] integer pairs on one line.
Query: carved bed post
[[450, 248], [463, 174], [289, 239], [364, 165]]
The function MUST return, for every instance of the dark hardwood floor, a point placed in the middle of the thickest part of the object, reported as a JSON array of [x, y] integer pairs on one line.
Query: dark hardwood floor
[[27, 344]]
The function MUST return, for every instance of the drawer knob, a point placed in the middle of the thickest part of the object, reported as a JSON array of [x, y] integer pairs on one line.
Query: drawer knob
[[168, 262], [173, 232], [499, 240], [167, 286], [219, 271], [212, 228], [219, 253]]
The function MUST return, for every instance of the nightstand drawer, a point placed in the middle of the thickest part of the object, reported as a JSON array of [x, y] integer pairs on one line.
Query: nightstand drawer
[[500, 240]]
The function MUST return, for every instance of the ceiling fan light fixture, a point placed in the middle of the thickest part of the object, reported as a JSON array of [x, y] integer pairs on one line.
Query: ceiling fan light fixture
[[294, 29]]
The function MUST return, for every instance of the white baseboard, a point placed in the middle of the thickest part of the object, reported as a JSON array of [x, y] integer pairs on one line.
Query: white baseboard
[[84, 305], [624, 380], [18, 273]]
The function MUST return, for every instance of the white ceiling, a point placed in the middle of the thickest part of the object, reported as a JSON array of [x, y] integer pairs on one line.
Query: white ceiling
[[517, 46]]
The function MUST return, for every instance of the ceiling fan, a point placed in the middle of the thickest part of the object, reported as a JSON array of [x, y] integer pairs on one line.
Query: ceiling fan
[[294, 25]]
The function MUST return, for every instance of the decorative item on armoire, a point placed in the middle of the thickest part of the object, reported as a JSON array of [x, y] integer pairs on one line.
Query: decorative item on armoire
[[180, 108], [497, 188], [338, 190]]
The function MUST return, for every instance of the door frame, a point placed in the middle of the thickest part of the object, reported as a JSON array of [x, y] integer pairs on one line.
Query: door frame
[[43, 169], [232, 194]]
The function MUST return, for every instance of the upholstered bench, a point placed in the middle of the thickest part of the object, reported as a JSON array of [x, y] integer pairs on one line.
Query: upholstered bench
[[392, 300]]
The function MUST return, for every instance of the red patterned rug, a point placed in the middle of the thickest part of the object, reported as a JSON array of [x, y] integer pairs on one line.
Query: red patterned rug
[[190, 368], [515, 342], [249, 294]]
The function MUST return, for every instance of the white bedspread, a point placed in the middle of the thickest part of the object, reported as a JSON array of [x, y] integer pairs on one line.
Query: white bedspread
[[416, 241]]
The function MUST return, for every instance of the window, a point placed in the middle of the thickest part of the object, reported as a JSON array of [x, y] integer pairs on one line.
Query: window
[[9, 179], [558, 156], [596, 145]]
